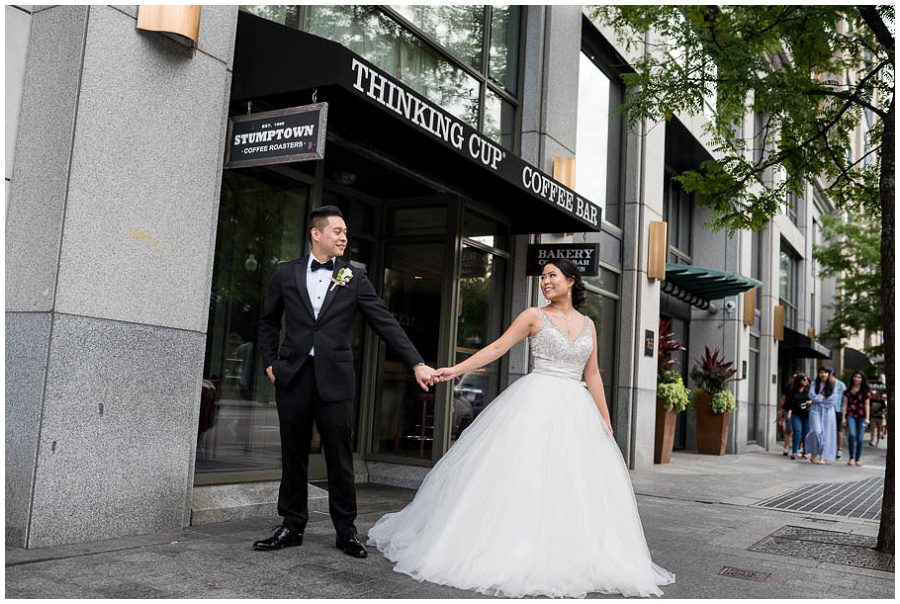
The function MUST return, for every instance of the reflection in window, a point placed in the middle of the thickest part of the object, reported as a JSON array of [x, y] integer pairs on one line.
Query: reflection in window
[[458, 28], [789, 269], [482, 284], [499, 119], [436, 50], [372, 34], [592, 131], [485, 231], [598, 138], [602, 311], [261, 220], [404, 413], [678, 207], [504, 50]]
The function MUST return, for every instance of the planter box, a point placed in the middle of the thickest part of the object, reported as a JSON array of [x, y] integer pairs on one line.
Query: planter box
[[712, 428], [665, 433]]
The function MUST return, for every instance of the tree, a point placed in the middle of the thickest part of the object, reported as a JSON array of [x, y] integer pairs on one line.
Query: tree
[[852, 253], [811, 75]]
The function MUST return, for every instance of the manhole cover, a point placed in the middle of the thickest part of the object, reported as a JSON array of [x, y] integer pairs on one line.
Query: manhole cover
[[825, 546], [857, 499], [740, 573]]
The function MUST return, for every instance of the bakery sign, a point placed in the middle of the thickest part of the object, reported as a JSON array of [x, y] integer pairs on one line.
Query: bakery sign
[[277, 137], [582, 255]]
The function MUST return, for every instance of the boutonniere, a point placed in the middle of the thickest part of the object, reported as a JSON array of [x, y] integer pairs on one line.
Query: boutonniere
[[343, 278]]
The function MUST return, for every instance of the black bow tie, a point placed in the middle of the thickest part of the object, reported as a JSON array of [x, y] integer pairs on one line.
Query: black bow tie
[[316, 265]]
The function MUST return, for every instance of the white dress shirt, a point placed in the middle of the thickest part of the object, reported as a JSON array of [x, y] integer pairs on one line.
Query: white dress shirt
[[317, 285]]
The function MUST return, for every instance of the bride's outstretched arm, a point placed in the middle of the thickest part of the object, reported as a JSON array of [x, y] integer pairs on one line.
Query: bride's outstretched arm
[[526, 323], [595, 382]]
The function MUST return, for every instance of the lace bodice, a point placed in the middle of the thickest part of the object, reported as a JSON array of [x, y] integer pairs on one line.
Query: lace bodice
[[555, 353]]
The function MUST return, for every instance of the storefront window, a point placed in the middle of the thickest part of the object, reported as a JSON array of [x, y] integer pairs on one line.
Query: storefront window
[[789, 269], [499, 120], [678, 207], [437, 50], [602, 307], [458, 28], [504, 51], [753, 410], [261, 222], [482, 283], [598, 138], [372, 34]]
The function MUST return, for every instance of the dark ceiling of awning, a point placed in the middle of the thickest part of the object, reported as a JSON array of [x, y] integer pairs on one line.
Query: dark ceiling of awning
[[801, 346], [699, 285], [278, 67]]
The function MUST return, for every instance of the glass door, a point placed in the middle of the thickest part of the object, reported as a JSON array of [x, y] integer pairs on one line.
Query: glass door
[[414, 286], [480, 317]]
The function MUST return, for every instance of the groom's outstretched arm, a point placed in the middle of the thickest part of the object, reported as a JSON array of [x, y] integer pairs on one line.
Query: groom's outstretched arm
[[383, 322]]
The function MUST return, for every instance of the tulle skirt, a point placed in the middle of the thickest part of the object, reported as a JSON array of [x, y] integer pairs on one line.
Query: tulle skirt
[[534, 498]]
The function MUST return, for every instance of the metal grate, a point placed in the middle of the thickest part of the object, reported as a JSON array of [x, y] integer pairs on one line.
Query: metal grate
[[857, 499], [825, 546], [740, 573]]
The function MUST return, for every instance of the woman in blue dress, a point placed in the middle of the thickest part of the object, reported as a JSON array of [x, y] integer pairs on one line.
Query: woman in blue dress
[[821, 440]]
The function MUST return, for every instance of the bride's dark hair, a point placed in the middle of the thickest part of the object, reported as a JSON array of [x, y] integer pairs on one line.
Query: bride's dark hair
[[568, 269]]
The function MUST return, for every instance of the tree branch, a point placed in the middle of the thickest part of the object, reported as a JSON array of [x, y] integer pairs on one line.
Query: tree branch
[[843, 171], [847, 96], [882, 33]]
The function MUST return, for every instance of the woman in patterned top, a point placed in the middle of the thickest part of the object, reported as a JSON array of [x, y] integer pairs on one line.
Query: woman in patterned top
[[797, 405], [856, 415]]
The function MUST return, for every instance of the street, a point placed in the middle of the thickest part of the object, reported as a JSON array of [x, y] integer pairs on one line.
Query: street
[[718, 523]]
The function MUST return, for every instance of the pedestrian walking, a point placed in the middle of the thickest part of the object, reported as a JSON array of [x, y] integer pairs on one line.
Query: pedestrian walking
[[839, 389], [856, 410], [783, 419], [821, 440], [879, 417], [797, 406]]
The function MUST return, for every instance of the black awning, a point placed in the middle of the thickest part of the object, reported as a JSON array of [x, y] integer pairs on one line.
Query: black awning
[[284, 66], [801, 346]]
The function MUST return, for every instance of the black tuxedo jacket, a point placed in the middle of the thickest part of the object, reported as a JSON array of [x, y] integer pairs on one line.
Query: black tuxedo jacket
[[287, 295]]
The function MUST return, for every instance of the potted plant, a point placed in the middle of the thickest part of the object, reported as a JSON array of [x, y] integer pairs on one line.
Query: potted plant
[[672, 395], [713, 401]]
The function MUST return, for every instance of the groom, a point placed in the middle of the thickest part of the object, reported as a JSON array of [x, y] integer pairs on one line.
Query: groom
[[318, 296]]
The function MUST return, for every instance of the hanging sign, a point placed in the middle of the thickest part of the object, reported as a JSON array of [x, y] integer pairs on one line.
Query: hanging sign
[[277, 137], [582, 255]]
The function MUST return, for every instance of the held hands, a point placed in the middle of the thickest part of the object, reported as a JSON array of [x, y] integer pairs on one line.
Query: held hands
[[425, 376], [445, 374]]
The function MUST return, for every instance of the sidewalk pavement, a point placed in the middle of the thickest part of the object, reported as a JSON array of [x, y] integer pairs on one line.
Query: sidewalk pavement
[[701, 514]]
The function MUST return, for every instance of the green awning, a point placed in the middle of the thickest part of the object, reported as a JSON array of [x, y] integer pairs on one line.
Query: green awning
[[698, 285]]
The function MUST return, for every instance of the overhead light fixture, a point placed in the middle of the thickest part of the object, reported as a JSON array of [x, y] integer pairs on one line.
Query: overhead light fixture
[[179, 23], [345, 179], [251, 263], [656, 253]]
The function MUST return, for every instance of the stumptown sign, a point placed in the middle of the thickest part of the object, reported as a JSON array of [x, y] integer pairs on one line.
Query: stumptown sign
[[274, 137]]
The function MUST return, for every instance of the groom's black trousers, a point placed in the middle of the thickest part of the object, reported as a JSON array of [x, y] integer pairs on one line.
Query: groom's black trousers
[[299, 405]]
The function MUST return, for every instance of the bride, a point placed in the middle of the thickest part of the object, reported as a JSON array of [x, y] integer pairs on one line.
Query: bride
[[534, 497]]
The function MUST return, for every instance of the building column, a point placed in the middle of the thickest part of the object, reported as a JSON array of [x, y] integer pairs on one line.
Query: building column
[[111, 229]]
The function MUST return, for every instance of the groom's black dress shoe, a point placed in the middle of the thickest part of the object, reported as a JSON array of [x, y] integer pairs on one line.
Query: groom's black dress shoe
[[351, 546], [284, 537]]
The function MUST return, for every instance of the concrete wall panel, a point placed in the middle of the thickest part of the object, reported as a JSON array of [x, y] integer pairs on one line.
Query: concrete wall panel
[[144, 180], [118, 427]]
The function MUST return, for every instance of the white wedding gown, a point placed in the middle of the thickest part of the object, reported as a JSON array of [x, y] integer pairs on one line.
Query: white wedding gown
[[533, 499]]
